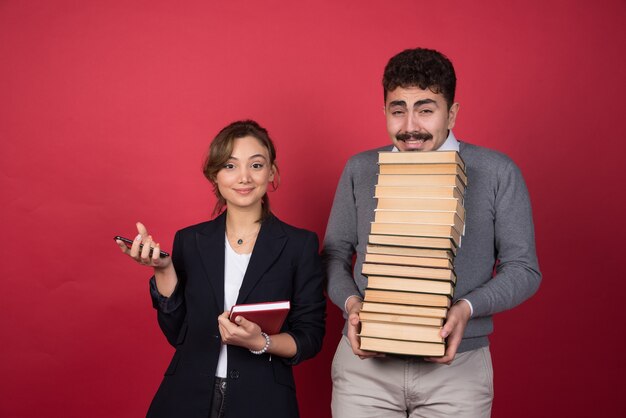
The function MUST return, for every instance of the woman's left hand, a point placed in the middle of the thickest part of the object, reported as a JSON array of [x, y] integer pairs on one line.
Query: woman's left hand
[[244, 333]]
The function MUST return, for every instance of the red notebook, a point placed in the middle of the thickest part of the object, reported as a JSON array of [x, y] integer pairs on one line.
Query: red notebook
[[268, 315]]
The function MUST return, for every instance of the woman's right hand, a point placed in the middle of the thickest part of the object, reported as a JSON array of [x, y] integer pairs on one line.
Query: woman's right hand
[[164, 273], [142, 255]]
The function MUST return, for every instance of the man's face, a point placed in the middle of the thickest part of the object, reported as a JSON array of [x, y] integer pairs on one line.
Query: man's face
[[418, 120]]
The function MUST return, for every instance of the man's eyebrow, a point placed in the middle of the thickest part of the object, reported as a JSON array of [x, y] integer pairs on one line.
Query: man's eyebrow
[[397, 103], [424, 102]]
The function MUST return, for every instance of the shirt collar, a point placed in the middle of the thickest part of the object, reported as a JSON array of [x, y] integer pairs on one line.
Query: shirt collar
[[450, 144]]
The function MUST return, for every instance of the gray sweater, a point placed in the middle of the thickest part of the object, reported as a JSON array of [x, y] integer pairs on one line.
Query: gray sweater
[[498, 226]]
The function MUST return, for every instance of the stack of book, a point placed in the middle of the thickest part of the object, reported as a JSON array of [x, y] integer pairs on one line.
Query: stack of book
[[417, 228]]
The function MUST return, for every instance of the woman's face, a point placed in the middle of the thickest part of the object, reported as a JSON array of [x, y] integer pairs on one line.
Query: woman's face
[[243, 180]]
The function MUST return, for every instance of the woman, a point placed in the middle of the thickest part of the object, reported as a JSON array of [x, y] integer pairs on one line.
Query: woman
[[244, 255]]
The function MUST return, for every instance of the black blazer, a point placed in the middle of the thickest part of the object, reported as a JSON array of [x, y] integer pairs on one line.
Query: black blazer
[[284, 265]]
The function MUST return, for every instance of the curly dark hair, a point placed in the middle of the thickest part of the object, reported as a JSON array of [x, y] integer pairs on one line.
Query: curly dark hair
[[221, 149], [423, 68]]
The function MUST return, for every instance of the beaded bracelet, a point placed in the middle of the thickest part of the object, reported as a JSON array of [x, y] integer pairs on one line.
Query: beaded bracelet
[[264, 349]]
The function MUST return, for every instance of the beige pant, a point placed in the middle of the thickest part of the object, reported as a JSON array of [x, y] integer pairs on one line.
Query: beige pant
[[410, 387]]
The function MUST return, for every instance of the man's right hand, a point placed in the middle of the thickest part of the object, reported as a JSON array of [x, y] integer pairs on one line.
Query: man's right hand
[[354, 306]]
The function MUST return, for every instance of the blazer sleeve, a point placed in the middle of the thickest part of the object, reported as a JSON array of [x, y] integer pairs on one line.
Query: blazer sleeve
[[171, 311], [308, 305]]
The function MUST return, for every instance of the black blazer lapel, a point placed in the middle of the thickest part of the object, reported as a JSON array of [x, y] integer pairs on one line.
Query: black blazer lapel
[[268, 246], [210, 243]]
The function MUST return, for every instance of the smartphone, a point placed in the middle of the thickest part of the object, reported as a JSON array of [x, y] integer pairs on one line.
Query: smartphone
[[129, 243]]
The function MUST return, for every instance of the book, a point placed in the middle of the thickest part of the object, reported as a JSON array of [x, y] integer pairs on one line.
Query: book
[[407, 298], [398, 331], [421, 242], [422, 218], [408, 271], [388, 308], [417, 230], [402, 260], [270, 316], [421, 157], [411, 285], [426, 180], [423, 169], [408, 251], [424, 192], [402, 319], [427, 205], [412, 348]]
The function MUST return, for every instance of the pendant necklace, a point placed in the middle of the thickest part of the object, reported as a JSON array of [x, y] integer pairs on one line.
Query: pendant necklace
[[247, 236]]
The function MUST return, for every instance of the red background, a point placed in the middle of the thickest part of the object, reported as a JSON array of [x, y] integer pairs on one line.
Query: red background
[[106, 110]]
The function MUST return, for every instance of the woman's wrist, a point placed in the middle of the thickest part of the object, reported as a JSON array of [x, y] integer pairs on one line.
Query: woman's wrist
[[166, 280], [264, 346]]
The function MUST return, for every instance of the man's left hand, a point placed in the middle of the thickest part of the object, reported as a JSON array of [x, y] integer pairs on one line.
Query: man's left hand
[[453, 330]]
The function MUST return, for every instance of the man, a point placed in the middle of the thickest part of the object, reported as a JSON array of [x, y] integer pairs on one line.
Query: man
[[419, 87]]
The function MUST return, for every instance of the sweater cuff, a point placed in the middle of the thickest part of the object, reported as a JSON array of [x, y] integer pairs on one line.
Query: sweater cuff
[[470, 306], [345, 304]]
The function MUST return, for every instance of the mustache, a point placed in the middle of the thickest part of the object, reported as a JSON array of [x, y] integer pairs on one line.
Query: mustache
[[403, 136]]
